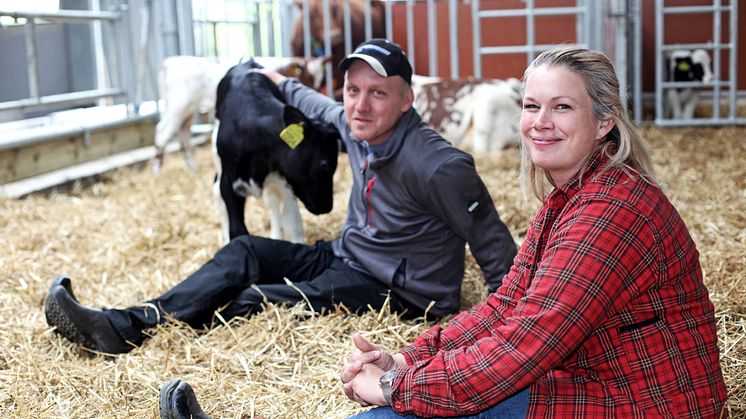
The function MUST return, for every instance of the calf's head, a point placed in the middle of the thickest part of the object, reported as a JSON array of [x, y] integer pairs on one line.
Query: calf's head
[[309, 160], [690, 66]]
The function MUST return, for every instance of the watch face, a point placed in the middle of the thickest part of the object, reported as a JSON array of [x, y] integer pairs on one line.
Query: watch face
[[388, 377]]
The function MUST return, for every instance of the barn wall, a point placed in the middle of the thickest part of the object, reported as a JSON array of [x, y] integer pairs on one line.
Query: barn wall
[[549, 30]]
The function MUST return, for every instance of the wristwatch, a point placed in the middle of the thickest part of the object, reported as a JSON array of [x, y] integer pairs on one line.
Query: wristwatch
[[385, 382]]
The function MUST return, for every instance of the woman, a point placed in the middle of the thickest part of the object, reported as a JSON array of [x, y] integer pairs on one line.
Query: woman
[[604, 312]]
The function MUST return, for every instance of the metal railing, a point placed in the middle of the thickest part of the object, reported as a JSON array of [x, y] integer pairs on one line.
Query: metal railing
[[117, 46]]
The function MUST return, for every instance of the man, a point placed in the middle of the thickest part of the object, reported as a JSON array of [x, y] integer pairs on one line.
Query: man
[[415, 202]]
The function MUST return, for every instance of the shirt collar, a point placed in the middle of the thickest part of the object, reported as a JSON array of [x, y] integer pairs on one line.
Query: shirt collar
[[572, 186]]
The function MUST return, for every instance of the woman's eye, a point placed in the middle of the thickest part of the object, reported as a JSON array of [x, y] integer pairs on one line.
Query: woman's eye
[[530, 106], [563, 106]]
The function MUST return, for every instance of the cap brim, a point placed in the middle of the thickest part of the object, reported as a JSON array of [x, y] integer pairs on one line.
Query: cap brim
[[372, 62]]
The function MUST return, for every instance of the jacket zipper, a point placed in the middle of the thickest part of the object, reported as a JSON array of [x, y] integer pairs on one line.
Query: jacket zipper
[[369, 191]]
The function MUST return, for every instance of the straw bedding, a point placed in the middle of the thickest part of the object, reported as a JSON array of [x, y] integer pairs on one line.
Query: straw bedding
[[127, 236]]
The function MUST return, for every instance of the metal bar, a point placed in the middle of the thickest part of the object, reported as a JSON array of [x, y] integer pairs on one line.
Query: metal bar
[[583, 31], [410, 32], [530, 9], [476, 39], [32, 61], [347, 26], [285, 29], [530, 49], [64, 98], [681, 84], [62, 15], [716, 22], [181, 23], [432, 33], [128, 55], [389, 21], [142, 56], [694, 9], [256, 31], [368, 23], [328, 49], [700, 122], [66, 131], [247, 20], [703, 45], [619, 13], [637, 59], [270, 24], [659, 22], [530, 31], [453, 32], [733, 61]]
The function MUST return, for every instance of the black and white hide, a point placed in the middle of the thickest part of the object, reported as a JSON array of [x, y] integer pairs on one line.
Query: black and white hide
[[264, 147], [686, 66]]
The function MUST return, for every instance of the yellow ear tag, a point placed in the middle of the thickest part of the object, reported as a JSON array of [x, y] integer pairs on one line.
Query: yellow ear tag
[[292, 134], [683, 66]]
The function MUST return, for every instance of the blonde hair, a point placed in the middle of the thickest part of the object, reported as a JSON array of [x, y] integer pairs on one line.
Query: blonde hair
[[624, 144]]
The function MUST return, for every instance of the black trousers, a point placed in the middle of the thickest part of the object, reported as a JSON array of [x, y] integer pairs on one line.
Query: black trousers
[[226, 281]]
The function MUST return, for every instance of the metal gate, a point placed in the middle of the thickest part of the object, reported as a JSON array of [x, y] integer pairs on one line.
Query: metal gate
[[715, 46]]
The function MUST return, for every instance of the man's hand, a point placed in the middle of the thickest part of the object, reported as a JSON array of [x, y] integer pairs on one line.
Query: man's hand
[[276, 77]]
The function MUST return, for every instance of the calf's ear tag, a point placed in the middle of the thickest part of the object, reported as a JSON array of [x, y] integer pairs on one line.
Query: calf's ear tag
[[292, 135], [683, 66]]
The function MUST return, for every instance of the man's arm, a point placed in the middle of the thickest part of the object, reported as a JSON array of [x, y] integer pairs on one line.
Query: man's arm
[[276, 77], [316, 106]]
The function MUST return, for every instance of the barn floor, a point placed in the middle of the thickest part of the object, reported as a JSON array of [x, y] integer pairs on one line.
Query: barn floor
[[126, 235]]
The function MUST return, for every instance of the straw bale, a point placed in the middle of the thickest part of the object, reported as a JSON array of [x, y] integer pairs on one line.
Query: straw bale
[[126, 236]]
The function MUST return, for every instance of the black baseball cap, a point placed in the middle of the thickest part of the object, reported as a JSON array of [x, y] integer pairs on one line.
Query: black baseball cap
[[386, 58]]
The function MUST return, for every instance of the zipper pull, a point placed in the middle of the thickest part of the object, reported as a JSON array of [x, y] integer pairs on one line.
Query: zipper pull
[[365, 167]]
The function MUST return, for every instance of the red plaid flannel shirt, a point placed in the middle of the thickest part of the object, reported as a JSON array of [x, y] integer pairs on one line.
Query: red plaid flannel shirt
[[604, 314]]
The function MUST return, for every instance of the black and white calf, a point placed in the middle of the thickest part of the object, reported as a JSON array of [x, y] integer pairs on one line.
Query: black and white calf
[[187, 86], [264, 147], [686, 66]]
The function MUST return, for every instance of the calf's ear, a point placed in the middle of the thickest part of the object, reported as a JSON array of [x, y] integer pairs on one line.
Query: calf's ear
[[292, 115]]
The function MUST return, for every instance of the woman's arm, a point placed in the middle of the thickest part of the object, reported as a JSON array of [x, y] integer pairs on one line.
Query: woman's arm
[[599, 256]]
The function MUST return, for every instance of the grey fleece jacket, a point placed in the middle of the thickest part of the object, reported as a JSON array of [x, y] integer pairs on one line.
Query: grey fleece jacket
[[412, 209]]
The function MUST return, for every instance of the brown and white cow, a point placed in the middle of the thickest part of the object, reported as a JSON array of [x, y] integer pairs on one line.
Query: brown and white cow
[[336, 30], [187, 86], [491, 108]]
